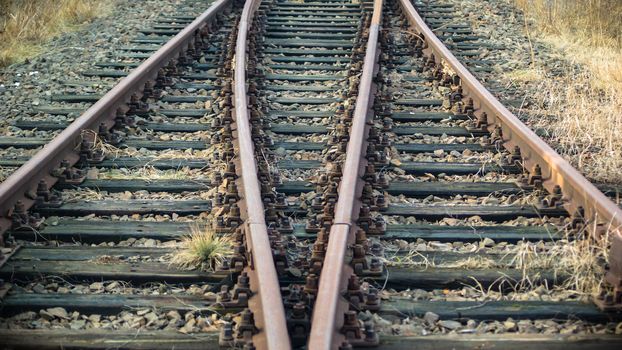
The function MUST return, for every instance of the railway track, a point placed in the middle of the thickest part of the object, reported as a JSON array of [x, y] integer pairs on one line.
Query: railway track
[[372, 191]]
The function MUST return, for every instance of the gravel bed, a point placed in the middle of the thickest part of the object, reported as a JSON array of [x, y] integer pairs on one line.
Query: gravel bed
[[440, 156], [60, 286], [282, 153], [5, 172], [142, 319], [12, 131], [156, 117], [87, 194], [321, 138], [417, 109], [149, 173], [179, 106], [306, 72], [443, 139], [301, 94], [442, 177], [130, 242], [144, 153], [540, 293], [398, 247], [475, 221], [301, 107], [495, 199], [197, 219], [12, 152], [171, 136], [298, 174], [300, 121], [302, 83], [445, 123], [431, 324]]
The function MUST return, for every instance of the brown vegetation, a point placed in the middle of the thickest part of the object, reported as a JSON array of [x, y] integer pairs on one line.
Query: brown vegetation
[[26, 24], [580, 108], [597, 22]]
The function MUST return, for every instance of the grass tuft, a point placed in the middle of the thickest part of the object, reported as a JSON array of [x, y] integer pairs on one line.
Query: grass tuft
[[203, 248], [26, 24]]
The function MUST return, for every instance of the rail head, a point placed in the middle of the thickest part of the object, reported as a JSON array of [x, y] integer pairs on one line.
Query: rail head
[[601, 216], [267, 303], [25, 179], [329, 308]]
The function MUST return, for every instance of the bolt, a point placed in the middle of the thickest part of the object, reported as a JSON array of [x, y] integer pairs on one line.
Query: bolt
[[370, 333]]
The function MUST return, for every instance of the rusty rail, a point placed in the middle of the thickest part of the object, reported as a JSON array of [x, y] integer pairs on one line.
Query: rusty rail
[[266, 303], [330, 306], [25, 179], [580, 197]]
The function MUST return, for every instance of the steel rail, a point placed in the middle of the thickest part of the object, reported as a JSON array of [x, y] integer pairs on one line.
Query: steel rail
[[330, 306], [25, 179], [599, 212], [270, 312]]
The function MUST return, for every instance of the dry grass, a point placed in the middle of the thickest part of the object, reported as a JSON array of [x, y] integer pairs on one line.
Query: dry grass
[[151, 173], [583, 122], [596, 22], [579, 265], [26, 24], [580, 262], [414, 259], [581, 108], [202, 248]]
